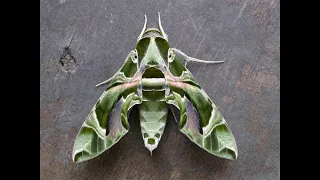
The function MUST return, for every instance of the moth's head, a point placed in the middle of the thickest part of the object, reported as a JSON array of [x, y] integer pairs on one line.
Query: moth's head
[[152, 49]]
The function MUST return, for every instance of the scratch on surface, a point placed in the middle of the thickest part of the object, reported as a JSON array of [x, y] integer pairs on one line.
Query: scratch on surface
[[219, 51], [227, 68], [220, 27], [194, 26], [196, 36], [200, 70], [193, 23], [71, 38], [215, 55], [199, 46], [223, 48], [181, 35], [218, 71], [241, 10]]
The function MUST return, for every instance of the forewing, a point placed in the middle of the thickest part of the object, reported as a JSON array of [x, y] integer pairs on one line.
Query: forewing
[[107, 122]]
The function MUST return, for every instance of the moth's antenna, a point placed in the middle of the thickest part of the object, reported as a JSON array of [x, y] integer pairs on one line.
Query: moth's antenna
[[161, 29], [144, 28], [188, 58]]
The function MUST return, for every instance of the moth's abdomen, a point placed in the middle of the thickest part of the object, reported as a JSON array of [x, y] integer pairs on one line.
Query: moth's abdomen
[[153, 109], [153, 118]]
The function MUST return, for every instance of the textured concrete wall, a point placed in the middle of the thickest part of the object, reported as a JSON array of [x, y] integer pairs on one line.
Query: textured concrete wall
[[98, 36]]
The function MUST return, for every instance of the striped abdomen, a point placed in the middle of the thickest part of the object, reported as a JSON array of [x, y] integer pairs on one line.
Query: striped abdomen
[[153, 111]]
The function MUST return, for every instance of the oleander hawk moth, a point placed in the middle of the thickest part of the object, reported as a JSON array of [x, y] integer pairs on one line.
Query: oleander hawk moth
[[154, 78]]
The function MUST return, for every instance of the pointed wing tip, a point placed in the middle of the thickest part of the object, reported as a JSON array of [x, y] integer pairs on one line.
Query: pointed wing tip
[[234, 158], [233, 155], [79, 159], [75, 160]]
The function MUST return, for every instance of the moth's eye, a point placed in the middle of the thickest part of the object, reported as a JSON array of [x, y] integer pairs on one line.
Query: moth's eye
[[170, 55], [135, 56]]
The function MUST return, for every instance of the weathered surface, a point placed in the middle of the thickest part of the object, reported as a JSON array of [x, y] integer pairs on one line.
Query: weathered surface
[[99, 34]]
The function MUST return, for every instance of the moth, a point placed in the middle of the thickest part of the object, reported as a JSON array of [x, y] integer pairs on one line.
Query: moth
[[154, 78]]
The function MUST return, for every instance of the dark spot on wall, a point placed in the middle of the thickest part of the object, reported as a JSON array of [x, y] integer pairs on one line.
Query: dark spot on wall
[[68, 62]]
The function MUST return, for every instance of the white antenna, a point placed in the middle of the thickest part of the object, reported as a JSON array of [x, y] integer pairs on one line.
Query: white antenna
[[144, 28]]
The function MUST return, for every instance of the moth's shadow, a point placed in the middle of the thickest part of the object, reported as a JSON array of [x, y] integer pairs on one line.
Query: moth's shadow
[[175, 155]]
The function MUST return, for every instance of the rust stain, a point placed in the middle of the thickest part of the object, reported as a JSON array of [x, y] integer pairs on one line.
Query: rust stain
[[57, 104], [52, 148], [55, 158], [261, 14], [226, 100], [49, 167], [253, 81], [261, 11], [255, 122], [49, 114], [45, 115]]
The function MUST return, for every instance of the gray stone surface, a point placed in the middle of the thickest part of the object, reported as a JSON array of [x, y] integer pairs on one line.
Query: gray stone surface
[[99, 35]]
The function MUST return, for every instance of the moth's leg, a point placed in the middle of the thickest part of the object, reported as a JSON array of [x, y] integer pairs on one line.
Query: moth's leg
[[130, 57], [122, 78], [167, 89], [188, 58], [139, 90], [106, 81], [137, 75], [173, 114], [167, 94]]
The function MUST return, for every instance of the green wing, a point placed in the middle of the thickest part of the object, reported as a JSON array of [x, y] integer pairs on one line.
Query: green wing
[[200, 120], [107, 122]]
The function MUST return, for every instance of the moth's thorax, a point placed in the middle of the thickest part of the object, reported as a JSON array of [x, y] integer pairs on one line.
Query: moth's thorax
[[152, 49], [151, 54]]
